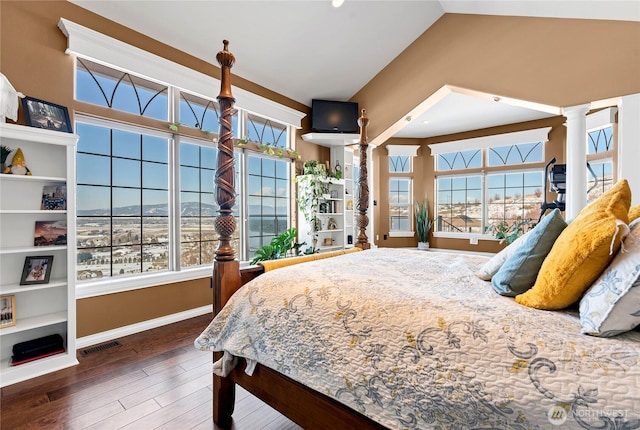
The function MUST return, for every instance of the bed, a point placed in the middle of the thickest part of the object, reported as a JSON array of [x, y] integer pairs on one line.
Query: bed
[[401, 338]]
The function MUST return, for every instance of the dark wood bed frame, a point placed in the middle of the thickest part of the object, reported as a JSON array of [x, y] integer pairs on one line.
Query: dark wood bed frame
[[308, 408]]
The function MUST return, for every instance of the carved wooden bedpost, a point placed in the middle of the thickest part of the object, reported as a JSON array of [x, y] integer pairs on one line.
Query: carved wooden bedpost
[[363, 185], [226, 269]]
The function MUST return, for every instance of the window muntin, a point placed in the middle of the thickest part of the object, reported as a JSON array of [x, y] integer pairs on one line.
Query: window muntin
[[604, 174], [459, 160], [459, 204], [121, 202], [198, 207], [266, 132], [399, 164], [105, 86], [400, 204], [513, 195], [267, 200], [511, 155], [600, 153], [203, 114], [600, 140], [489, 194]]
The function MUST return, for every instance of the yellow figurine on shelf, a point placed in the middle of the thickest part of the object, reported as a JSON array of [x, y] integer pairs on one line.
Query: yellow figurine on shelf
[[18, 166]]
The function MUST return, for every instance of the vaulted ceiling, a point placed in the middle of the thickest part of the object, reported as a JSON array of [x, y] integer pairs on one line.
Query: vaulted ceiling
[[309, 49]]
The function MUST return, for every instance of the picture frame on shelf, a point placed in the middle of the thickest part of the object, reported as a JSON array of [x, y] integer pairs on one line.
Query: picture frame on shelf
[[328, 241], [47, 115], [334, 194], [36, 270], [7, 311], [324, 208], [50, 233], [54, 198]]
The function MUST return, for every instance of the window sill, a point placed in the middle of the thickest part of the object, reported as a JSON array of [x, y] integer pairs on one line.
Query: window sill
[[464, 236], [401, 234], [121, 284]]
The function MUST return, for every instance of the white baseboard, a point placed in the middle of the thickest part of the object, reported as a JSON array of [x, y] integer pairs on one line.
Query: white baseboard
[[105, 336]]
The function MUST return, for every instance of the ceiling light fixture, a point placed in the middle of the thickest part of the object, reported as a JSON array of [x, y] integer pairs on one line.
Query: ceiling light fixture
[[337, 3]]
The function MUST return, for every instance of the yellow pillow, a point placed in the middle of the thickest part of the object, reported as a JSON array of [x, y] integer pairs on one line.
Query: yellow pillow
[[581, 252], [634, 212]]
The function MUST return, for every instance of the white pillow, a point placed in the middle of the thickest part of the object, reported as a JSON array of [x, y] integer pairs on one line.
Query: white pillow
[[612, 304], [492, 266]]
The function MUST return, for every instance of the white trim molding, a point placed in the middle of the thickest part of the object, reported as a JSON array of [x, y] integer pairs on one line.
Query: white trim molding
[[102, 49], [403, 150], [105, 336], [515, 138]]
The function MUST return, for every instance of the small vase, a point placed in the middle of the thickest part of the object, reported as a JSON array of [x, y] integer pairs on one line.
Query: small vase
[[423, 245]]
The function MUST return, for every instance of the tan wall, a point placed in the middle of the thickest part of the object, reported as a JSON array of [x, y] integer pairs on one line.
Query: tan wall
[[543, 60], [33, 59], [559, 62]]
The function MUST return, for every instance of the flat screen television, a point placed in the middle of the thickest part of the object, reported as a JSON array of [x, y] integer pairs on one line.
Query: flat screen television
[[328, 116]]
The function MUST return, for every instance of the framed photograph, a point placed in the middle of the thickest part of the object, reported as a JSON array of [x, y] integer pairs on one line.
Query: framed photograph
[[7, 311], [50, 233], [37, 270], [334, 194], [324, 208], [42, 114], [54, 198]]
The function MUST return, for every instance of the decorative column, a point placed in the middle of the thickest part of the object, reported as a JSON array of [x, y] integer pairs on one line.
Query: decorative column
[[226, 269], [363, 185], [225, 223], [576, 159]]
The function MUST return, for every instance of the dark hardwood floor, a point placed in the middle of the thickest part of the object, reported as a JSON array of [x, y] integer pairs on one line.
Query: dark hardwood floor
[[152, 380]]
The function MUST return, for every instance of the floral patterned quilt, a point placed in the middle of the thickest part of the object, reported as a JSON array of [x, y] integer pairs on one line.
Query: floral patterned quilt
[[415, 340]]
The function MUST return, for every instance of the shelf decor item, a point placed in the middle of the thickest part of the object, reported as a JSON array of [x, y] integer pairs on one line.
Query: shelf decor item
[[18, 166], [37, 270], [50, 233], [42, 114], [7, 311], [54, 198]]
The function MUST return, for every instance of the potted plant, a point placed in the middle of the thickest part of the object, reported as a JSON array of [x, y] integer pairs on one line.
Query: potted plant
[[281, 246], [510, 232], [423, 224]]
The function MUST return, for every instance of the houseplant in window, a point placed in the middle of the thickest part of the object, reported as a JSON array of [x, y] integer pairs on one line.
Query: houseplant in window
[[423, 224]]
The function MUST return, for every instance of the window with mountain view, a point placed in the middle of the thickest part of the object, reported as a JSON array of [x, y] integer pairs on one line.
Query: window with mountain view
[[136, 212]]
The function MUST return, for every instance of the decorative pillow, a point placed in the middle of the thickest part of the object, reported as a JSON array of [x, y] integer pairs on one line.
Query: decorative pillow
[[612, 305], [634, 212], [492, 266], [581, 252], [520, 271]]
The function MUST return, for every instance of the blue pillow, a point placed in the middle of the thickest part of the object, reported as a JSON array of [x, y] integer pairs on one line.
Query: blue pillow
[[520, 271]]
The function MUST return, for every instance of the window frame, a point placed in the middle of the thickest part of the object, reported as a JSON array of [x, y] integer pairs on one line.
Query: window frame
[[95, 47], [485, 144]]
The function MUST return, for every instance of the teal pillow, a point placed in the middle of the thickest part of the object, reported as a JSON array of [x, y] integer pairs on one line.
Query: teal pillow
[[520, 271]]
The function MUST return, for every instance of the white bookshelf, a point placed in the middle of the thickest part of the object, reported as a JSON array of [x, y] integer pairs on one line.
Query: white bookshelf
[[40, 309]]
